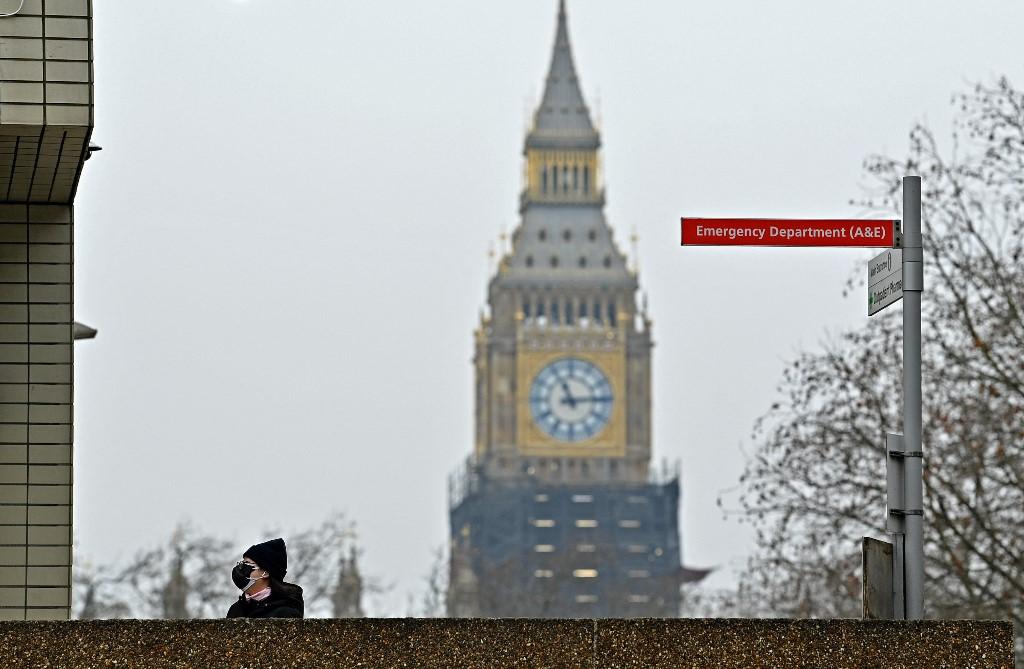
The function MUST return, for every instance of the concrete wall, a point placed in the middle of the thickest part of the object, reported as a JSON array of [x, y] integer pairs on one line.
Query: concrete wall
[[507, 643], [46, 117]]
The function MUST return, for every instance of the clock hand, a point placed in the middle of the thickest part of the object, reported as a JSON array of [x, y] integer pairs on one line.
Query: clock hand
[[587, 399], [568, 399]]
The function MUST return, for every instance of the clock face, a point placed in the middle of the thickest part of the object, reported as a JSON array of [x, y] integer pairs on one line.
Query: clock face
[[571, 400]]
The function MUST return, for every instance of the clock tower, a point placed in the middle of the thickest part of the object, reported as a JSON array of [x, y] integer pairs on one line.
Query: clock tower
[[556, 512]]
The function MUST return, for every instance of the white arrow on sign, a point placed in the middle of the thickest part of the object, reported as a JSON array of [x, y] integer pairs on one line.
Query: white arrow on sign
[[885, 280]]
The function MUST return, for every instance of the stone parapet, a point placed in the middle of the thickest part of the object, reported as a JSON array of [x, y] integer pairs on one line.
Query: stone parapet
[[255, 644]]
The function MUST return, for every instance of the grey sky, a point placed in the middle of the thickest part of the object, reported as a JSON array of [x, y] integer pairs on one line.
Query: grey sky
[[284, 242]]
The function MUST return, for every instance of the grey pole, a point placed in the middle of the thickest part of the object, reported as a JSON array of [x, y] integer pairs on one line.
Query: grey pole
[[913, 285]]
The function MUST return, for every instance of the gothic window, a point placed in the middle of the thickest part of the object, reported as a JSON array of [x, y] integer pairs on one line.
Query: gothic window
[[543, 234], [586, 179], [567, 235], [544, 180]]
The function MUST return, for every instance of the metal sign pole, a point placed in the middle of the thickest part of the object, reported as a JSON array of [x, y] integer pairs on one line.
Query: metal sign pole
[[895, 505], [913, 285]]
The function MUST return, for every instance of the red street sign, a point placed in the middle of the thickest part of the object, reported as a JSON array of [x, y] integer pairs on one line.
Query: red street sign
[[782, 232]]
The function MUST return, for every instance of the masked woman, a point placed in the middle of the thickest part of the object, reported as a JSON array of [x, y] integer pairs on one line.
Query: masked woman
[[260, 576]]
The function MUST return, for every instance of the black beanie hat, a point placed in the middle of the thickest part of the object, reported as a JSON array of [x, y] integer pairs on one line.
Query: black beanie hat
[[271, 556]]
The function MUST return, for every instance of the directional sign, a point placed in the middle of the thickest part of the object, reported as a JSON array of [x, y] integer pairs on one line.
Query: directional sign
[[777, 232], [885, 280]]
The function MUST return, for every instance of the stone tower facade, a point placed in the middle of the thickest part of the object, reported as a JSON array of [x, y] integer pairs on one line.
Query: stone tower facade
[[564, 291], [557, 512], [46, 120]]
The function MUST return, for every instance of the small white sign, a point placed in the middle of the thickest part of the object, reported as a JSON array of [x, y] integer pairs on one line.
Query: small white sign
[[885, 280]]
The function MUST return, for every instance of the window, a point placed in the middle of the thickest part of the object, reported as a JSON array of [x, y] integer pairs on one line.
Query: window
[[638, 599], [637, 548], [637, 499], [597, 311], [639, 573], [540, 498], [565, 178], [567, 235], [582, 499], [629, 524], [544, 548], [586, 548], [607, 261], [586, 599], [587, 522], [554, 261], [575, 178], [554, 178], [592, 235], [529, 261], [584, 573], [544, 180], [569, 315], [611, 313], [543, 234], [526, 308], [556, 317], [543, 522], [543, 573]]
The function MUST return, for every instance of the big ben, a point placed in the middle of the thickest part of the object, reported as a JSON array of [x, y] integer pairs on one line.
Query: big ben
[[558, 513]]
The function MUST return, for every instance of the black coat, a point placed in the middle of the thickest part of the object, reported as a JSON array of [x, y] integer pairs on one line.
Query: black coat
[[285, 601]]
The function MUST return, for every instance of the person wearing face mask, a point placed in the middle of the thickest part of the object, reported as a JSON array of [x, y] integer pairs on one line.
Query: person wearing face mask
[[260, 576]]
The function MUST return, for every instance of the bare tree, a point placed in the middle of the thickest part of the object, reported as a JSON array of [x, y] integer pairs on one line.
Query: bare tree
[[96, 594], [816, 482], [434, 600]]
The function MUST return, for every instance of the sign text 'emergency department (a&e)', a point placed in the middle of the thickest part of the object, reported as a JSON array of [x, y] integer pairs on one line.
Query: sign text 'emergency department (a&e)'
[[772, 232]]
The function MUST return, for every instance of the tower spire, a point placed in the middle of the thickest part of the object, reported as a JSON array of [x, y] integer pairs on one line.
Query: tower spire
[[562, 120]]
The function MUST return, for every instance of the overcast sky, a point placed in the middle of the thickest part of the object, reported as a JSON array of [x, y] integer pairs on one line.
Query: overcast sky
[[283, 244]]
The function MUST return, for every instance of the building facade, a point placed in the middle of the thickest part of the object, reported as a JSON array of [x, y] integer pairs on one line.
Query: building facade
[[46, 120], [558, 513]]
